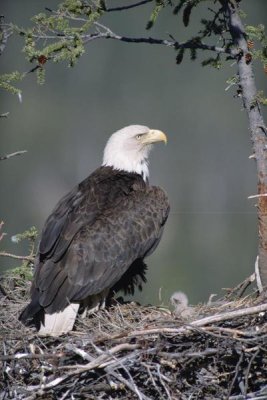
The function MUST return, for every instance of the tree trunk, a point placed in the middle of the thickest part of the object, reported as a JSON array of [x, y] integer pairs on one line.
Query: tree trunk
[[257, 127]]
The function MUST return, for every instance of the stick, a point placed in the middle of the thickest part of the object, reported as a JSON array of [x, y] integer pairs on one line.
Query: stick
[[257, 275], [27, 258], [122, 8], [17, 153], [79, 369], [198, 323]]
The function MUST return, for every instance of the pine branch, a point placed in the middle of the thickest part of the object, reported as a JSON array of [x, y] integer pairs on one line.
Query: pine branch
[[108, 34]]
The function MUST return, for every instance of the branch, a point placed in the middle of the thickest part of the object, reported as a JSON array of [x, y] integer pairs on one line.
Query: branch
[[195, 354], [122, 8], [198, 323], [230, 315], [2, 234], [4, 35], [169, 43], [30, 356], [95, 363], [27, 258], [108, 34], [17, 153], [4, 115], [256, 124]]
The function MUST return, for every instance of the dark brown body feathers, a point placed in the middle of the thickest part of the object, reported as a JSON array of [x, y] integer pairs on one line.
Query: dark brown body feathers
[[105, 226]]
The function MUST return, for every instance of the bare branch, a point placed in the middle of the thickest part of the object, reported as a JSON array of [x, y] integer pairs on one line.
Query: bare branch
[[195, 354], [130, 385], [4, 35], [237, 368], [30, 356], [4, 115], [2, 234], [27, 258], [17, 153], [122, 8], [254, 196], [169, 43]]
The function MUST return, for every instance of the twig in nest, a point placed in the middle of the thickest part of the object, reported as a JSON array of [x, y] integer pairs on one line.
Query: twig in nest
[[197, 323], [29, 356], [3, 292], [237, 368], [130, 385], [95, 363], [244, 285], [230, 315], [161, 378], [257, 275], [79, 352], [241, 287], [151, 378], [195, 354], [248, 370]]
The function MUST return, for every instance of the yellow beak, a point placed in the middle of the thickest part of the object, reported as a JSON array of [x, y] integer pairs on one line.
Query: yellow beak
[[154, 136]]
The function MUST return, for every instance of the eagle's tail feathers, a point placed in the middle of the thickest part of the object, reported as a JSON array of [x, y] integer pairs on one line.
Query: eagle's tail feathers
[[59, 323]]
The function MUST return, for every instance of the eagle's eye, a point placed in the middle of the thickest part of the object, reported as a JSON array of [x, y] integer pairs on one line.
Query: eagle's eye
[[139, 136]]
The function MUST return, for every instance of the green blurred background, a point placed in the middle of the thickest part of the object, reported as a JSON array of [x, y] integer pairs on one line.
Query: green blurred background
[[210, 239]]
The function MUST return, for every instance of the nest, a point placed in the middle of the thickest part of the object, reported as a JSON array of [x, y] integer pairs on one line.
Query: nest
[[213, 351]]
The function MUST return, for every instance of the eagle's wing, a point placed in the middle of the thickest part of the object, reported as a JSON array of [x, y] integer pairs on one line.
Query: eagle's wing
[[65, 221], [102, 249], [122, 235]]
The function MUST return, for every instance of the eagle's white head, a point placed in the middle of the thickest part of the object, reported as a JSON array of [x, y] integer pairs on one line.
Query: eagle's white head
[[128, 148]]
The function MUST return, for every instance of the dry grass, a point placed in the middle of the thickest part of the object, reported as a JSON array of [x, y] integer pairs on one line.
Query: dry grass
[[134, 352]]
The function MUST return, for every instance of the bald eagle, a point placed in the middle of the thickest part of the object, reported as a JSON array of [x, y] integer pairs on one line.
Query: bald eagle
[[98, 235]]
